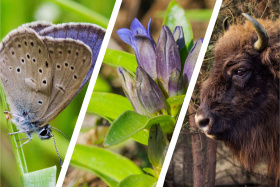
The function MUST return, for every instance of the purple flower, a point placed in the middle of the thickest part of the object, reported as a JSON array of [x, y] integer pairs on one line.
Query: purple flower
[[159, 74], [139, 38]]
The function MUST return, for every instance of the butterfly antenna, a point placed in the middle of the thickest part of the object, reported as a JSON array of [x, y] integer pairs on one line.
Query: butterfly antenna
[[57, 152], [61, 133]]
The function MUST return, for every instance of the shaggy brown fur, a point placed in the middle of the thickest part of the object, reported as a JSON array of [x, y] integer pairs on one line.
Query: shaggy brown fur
[[241, 96]]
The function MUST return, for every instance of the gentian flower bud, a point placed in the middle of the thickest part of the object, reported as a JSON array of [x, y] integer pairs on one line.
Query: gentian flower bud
[[147, 56], [129, 88], [168, 57], [191, 61], [179, 37], [175, 84], [149, 93]]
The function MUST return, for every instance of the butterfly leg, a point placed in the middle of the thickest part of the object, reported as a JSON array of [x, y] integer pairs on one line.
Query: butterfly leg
[[29, 139], [23, 139], [10, 115], [13, 133]]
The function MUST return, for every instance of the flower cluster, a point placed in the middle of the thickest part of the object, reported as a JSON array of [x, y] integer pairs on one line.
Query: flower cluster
[[159, 73]]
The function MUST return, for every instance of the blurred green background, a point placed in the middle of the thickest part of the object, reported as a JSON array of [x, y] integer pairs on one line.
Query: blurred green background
[[41, 154]]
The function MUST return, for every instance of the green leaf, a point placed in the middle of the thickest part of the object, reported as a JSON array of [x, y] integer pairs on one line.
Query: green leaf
[[105, 178], [102, 85], [138, 181], [43, 178], [108, 105], [109, 166], [116, 58], [175, 104], [150, 171], [141, 136], [130, 123], [157, 147], [176, 16]]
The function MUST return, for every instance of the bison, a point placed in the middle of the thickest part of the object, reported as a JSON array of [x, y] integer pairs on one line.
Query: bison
[[240, 99]]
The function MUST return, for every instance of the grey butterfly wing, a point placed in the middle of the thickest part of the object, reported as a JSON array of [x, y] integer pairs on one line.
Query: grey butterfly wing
[[37, 25], [90, 34], [25, 72], [71, 62]]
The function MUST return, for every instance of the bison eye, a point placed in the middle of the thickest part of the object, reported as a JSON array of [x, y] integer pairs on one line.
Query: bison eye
[[241, 71], [241, 76]]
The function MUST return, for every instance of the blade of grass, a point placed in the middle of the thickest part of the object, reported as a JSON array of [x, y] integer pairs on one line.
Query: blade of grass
[[19, 155], [43, 178], [83, 11]]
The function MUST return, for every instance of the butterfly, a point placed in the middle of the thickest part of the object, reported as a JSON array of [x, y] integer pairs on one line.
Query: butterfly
[[42, 68]]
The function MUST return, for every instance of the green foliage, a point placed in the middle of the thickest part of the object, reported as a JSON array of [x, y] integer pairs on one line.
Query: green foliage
[[150, 171], [138, 181], [175, 104], [117, 58], [130, 123], [101, 85], [109, 166], [157, 147], [108, 105]]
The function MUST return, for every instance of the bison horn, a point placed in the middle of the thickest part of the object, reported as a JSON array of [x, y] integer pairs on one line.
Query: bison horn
[[226, 24], [263, 38]]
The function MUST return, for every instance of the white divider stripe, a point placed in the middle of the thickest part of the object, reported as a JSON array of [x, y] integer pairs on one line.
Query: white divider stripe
[[189, 93], [88, 93]]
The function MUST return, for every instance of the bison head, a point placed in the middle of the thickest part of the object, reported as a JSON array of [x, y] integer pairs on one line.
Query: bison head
[[240, 99]]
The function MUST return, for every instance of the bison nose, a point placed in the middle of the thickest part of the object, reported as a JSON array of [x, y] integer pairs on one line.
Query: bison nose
[[203, 120]]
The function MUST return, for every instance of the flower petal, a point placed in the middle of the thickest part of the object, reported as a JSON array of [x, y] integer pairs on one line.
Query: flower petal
[[147, 55], [149, 92], [168, 57], [125, 35], [175, 84], [137, 28], [149, 26], [191, 61], [129, 87], [179, 37]]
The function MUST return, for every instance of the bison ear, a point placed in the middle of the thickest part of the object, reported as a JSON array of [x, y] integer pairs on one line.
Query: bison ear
[[226, 24], [270, 57]]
